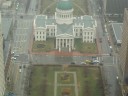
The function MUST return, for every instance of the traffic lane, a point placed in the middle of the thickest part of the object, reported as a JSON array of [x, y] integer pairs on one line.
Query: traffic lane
[[108, 60], [105, 46], [100, 35], [25, 16], [79, 59], [32, 7], [110, 80], [42, 59], [99, 27], [104, 43], [22, 58], [51, 59]]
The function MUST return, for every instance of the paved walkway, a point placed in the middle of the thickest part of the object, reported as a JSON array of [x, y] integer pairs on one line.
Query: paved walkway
[[56, 83]]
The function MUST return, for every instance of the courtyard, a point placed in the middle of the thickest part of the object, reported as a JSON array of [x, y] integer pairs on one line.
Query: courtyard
[[85, 47], [49, 45], [43, 46], [65, 80]]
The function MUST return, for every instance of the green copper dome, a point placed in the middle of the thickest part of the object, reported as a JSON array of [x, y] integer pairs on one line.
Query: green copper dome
[[64, 5]]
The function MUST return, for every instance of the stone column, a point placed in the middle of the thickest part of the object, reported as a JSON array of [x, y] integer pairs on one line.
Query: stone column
[[72, 43], [59, 42], [69, 45], [66, 42], [62, 42], [56, 43], [69, 49]]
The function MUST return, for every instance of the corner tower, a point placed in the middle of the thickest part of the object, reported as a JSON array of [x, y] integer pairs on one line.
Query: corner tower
[[64, 12]]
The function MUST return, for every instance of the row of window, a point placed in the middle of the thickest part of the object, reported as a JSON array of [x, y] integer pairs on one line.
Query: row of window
[[88, 37], [40, 36], [85, 33], [40, 32], [80, 34], [78, 30], [50, 34], [65, 40], [64, 16], [50, 30]]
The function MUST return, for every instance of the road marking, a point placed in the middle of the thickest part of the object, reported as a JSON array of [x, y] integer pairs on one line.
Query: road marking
[[107, 65], [113, 59]]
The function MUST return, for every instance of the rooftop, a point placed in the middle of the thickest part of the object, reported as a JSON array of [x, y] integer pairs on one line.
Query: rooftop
[[116, 6], [117, 29], [86, 21], [64, 4], [6, 24]]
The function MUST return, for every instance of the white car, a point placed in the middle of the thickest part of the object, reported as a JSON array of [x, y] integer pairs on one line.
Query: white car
[[13, 58], [16, 55], [82, 63], [12, 52], [96, 61], [110, 47]]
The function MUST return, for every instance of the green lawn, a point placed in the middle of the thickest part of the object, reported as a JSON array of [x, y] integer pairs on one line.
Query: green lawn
[[89, 82], [85, 47], [69, 80], [48, 45]]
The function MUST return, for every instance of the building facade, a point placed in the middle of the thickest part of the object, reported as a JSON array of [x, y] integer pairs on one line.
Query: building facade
[[114, 13], [124, 46], [124, 51], [64, 27], [2, 78]]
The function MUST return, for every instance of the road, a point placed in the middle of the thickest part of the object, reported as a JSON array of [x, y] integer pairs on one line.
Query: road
[[23, 25], [110, 68]]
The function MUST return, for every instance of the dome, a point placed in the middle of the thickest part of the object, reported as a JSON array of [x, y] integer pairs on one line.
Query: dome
[[64, 5]]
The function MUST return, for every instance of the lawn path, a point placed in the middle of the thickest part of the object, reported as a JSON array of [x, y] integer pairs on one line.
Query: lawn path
[[76, 88]]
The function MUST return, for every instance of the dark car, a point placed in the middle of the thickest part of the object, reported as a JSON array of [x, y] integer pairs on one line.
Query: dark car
[[73, 63], [100, 39]]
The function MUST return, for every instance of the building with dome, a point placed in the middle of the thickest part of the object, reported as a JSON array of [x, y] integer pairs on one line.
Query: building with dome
[[64, 27]]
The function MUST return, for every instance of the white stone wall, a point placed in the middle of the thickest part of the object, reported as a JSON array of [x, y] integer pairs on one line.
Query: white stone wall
[[88, 35], [40, 34], [67, 42], [51, 30], [64, 16], [78, 31]]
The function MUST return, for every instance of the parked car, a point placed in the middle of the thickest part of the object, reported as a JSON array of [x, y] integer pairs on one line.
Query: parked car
[[73, 63], [100, 39], [82, 63], [12, 52], [16, 55], [88, 61], [95, 61], [13, 58]]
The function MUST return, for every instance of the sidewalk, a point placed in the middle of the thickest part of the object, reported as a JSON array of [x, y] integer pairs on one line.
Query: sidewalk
[[57, 53]]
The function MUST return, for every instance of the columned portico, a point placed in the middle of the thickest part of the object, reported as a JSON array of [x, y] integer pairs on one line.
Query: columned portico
[[65, 42]]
